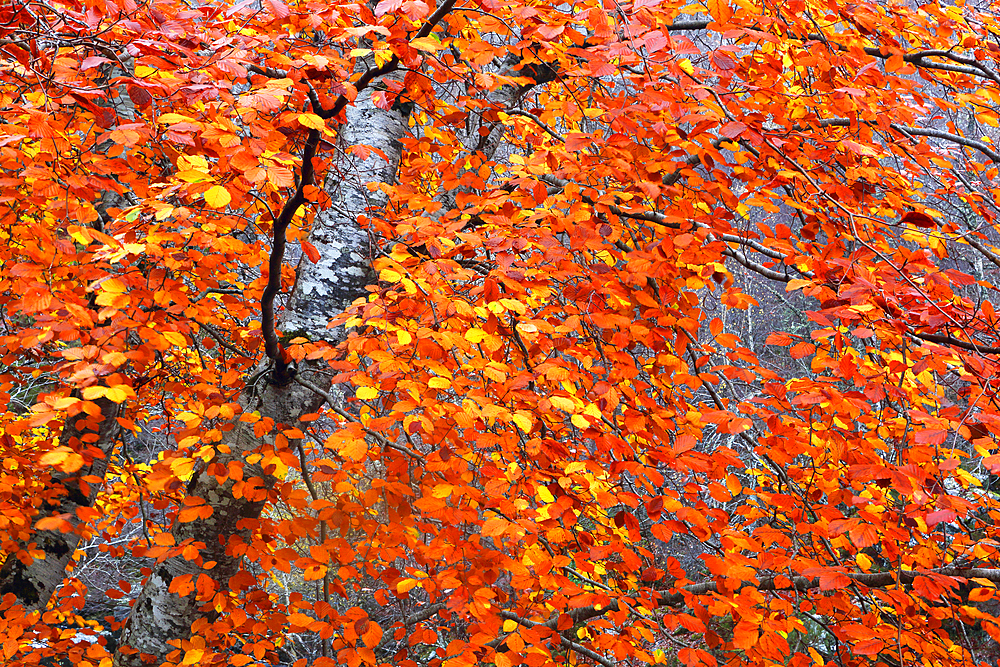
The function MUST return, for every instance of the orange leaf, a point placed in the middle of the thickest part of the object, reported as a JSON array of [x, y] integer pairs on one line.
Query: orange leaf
[[310, 251], [720, 10], [800, 350]]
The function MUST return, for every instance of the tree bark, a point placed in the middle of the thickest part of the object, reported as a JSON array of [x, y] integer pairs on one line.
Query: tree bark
[[33, 584]]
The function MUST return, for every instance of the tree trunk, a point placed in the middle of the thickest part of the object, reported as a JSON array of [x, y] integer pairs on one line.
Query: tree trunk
[[33, 584], [321, 291]]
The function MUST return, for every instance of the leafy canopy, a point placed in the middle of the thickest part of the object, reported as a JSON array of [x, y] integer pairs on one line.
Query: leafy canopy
[[682, 353]]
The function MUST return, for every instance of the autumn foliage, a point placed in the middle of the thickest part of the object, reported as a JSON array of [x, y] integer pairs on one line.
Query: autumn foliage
[[673, 340]]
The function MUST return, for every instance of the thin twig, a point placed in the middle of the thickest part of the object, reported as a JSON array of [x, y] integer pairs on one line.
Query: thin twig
[[378, 437]]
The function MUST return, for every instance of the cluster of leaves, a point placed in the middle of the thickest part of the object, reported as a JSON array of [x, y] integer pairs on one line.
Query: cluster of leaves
[[539, 406]]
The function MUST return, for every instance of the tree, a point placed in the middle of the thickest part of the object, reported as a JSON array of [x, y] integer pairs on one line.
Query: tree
[[393, 333]]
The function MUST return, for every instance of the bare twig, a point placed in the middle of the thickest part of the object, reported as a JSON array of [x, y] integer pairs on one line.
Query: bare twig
[[378, 437]]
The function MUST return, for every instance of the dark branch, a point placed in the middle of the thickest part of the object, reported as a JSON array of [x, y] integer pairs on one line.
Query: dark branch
[[680, 26], [954, 342]]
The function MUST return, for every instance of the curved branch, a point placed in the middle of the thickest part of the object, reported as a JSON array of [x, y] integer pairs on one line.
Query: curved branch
[[298, 198], [911, 132], [966, 65], [660, 219], [980, 146]]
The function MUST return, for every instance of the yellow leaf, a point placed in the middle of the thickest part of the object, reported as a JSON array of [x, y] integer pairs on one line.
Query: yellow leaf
[[193, 176], [113, 285], [61, 403], [170, 118], [509, 625], [390, 276], [217, 196], [426, 44], [93, 393], [563, 403], [182, 468], [475, 335], [79, 235], [686, 65], [312, 121], [406, 585], [438, 383], [366, 393], [442, 490], [545, 495], [118, 393], [195, 162], [175, 338], [523, 422], [193, 656]]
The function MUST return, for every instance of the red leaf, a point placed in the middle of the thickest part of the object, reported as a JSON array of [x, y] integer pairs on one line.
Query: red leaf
[[778, 338], [278, 8], [931, 436], [868, 647], [864, 535], [310, 251], [940, 516], [654, 507], [91, 62], [655, 41], [140, 96], [732, 130], [829, 579], [577, 142], [918, 219], [386, 6], [723, 61]]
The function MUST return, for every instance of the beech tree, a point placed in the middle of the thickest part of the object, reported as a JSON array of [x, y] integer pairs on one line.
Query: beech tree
[[390, 333]]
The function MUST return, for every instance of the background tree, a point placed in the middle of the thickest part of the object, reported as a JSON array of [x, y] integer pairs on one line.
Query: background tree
[[392, 333]]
